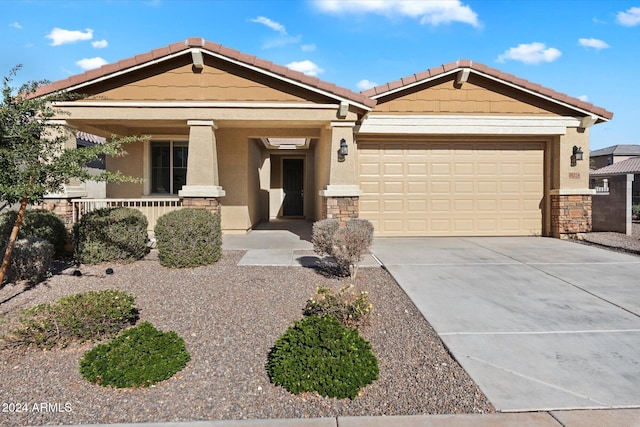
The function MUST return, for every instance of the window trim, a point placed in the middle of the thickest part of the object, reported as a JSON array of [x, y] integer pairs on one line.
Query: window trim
[[148, 163]]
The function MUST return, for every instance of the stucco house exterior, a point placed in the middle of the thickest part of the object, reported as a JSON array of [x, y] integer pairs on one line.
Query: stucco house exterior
[[459, 149]]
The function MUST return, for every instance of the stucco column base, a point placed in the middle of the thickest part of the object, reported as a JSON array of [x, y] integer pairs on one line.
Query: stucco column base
[[201, 191], [570, 215]]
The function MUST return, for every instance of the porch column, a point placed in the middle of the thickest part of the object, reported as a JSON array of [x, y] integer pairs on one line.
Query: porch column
[[570, 196], [340, 198], [203, 186], [60, 203]]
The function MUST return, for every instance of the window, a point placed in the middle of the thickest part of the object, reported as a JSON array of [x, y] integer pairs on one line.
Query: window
[[168, 166]]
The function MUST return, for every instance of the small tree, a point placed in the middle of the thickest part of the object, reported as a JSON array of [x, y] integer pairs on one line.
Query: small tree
[[33, 158]]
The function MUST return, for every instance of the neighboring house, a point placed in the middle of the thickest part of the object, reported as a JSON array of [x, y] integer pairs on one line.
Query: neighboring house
[[631, 166], [457, 150], [610, 155]]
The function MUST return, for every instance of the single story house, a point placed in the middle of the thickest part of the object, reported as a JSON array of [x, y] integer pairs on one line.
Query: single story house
[[461, 149], [610, 155]]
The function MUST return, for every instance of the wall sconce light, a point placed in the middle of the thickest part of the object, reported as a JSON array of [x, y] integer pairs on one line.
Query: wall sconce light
[[577, 155], [344, 149]]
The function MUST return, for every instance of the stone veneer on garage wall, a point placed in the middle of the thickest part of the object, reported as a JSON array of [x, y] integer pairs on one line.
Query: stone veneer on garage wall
[[570, 214], [341, 208]]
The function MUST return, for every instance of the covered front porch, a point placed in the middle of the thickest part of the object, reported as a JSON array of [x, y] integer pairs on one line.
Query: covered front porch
[[253, 142]]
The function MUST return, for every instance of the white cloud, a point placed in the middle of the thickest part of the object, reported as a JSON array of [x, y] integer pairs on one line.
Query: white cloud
[[100, 44], [60, 36], [433, 12], [307, 67], [275, 26], [593, 43], [365, 84], [16, 25], [281, 41], [630, 18], [583, 98], [91, 63], [308, 47], [532, 53]]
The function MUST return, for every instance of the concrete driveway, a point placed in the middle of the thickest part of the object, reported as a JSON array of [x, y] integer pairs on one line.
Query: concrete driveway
[[538, 323]]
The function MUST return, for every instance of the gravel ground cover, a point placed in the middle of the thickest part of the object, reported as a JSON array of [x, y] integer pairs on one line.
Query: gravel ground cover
[[616, 241], [230, 316]]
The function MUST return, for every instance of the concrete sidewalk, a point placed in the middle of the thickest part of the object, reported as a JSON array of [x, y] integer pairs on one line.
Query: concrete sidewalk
[[596, 418]]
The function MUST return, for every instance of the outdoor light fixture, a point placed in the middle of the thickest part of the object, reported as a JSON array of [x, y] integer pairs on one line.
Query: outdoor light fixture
[[577, 151], [344, 150], [577, 155]]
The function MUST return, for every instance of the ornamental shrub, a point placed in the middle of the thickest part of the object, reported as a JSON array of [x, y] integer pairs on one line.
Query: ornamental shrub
[[81, 317], [635, 211], [351, 308], [322, 235], [319, 354], [188, 238], [139, 357], [36, 223], [346, 245], [110, 234], [30, 260]]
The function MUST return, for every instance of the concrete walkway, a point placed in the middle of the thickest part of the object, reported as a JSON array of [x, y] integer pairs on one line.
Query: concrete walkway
[[539, 324], [283, 243]]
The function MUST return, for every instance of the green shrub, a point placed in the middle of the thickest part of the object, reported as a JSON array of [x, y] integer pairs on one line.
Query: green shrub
[[635, 211], [36, 223], [346, 245], [81, 317], [351, 308], [110, 234], [139, 357], [319, 354], [188, 238], [30, 260]]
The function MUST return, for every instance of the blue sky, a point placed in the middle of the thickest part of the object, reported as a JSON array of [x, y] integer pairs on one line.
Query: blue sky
[[586, 49]]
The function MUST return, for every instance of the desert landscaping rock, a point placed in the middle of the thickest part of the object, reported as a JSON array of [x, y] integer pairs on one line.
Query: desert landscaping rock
[[230, 316]]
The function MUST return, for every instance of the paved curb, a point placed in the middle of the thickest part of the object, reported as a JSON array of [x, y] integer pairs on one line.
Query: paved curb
[[579, 418]]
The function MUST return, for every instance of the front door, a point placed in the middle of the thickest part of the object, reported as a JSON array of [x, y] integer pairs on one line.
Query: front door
[[293, 186]]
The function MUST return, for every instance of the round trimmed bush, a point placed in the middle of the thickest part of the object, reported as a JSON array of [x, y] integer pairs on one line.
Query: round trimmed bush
[[30, 260], [111, 234], [319, 354], [139, 357], [188, 238], [36, 223]]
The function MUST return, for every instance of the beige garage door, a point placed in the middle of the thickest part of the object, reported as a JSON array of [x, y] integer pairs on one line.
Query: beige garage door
[[452, 188]]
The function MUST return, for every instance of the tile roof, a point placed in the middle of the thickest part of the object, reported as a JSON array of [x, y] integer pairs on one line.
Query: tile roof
[[432, 73], [212, 47], [618, 150], [89, 137], [631, 165]]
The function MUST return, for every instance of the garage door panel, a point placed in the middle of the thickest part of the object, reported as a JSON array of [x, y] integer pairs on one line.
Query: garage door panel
[[452, 188]]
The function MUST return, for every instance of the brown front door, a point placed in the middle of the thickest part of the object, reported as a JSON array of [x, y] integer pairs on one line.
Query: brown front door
[[293, 186]]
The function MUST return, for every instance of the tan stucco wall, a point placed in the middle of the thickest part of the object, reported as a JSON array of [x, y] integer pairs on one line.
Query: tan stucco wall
[[477, 96], [178, 80], [566, 176], [322, 154], [257, 185], [130, 165]]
